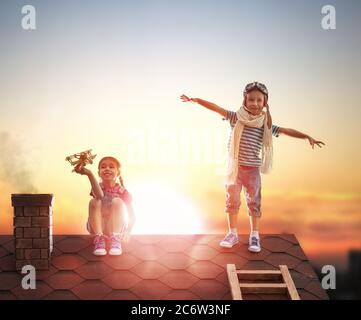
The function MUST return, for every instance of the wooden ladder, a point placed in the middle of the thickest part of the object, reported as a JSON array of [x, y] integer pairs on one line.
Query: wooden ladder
[[238, 286]]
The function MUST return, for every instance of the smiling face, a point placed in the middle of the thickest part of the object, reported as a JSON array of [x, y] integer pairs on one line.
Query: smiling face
[[108, 170], [255, 101]]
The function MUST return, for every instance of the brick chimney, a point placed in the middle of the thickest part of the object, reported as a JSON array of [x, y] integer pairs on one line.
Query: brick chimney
[[33, 229]]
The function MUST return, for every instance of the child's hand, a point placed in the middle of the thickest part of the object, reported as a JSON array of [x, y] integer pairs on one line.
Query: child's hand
[[187, 99], [313, 142], [82, 170]]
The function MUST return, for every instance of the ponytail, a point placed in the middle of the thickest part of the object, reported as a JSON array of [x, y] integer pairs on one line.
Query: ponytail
[[121, 181]]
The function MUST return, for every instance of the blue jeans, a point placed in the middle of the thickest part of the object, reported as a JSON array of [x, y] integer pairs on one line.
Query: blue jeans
[[250, 179]]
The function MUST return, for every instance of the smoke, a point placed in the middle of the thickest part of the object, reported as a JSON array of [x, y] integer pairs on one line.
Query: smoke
[[13, 166]]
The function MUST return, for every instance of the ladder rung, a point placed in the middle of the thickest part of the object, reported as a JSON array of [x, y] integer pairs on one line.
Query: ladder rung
[[266, 275], [263, 287], [258, 271]]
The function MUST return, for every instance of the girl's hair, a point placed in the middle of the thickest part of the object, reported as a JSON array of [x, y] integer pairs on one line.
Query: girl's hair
[[265, 97], [117, 164]]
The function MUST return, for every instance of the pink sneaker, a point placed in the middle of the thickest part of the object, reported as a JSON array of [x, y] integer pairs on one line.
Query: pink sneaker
[[115, 246], [99, 245]]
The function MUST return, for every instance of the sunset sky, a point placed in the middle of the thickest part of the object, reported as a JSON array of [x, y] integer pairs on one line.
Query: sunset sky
[[108, 75]]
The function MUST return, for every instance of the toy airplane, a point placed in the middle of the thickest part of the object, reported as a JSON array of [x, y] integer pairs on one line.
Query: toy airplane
[[81, 159]]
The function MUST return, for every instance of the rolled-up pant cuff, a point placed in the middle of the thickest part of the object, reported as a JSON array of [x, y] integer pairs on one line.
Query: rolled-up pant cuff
[[231, 211], [257, 214]]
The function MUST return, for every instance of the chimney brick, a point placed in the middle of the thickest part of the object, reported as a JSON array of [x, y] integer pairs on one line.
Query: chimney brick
[[19, 254], [22, 222], [44, 233], [33, 229], [45, 211], [20, 263], [41, 222], [41, 243], [38, 264], [41, 264], [19, 211], [44, 253], [31, 211], [32, 254], [19, 233], [23, 243], [31, 232]]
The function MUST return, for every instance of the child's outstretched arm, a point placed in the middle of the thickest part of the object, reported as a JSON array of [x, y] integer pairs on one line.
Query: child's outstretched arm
[[206, 104], [297, 134], [97, 191]]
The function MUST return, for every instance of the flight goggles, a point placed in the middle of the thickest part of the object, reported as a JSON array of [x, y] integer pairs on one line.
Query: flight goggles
[[255, 85]]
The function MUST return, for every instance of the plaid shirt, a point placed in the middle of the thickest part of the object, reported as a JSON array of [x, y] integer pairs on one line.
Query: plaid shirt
[[117, 191]]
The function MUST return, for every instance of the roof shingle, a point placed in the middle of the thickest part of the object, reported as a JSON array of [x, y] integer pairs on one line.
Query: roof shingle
[[155, 267]]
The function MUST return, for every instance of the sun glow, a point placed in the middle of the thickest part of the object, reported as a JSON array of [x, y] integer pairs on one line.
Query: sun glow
[[159, 209]]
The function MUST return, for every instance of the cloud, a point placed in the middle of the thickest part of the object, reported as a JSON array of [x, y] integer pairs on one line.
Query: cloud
[[13, 166]]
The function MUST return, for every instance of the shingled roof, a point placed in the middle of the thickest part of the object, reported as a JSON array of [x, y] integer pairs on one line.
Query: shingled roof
[[172, 267]]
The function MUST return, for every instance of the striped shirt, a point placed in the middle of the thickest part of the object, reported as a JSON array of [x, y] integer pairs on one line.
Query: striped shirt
[[251, 142]]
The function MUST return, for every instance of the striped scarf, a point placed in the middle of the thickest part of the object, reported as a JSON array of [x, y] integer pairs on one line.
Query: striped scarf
[[246, 119]]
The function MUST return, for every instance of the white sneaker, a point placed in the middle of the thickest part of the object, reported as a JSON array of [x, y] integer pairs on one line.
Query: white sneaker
[[254, 244], [229, 240]]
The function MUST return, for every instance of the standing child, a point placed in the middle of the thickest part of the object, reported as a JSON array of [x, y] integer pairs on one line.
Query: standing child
[[252, 131], [106, 209]]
